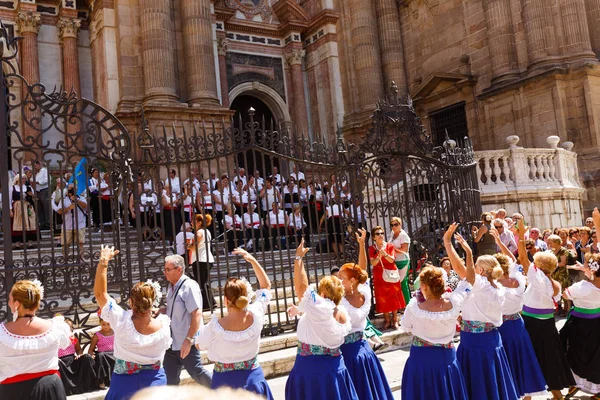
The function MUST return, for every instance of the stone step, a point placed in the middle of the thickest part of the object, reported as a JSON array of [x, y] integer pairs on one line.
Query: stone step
[[279, 360]]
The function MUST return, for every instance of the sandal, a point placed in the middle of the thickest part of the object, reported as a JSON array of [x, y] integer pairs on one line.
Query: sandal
[[378, 346], [572, 391], [387, 325]]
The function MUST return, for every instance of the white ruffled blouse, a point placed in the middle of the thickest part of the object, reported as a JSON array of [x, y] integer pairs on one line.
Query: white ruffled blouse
[[584, 295], [436, 327], [235, 346], [513, 301], [539, 293], [30, 354], [318, 326], [358, 316], [132, 346], [485, 305]]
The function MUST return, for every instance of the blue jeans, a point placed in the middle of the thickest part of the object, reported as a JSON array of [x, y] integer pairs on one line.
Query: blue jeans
[[173, 364]]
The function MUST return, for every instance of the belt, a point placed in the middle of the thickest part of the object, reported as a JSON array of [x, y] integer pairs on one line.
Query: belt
[[476, 326], [353, 337], [129, 368], [237, 366], [511, 317], [27, 377], [279, 226], [305, 349], [539, 313], [586, 313], [418, 342]]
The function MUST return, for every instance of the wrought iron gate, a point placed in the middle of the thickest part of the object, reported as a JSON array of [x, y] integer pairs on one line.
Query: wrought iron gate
[[149, 189]]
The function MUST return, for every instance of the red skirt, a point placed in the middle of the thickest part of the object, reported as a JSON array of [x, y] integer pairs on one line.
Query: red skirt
[[388, 296]]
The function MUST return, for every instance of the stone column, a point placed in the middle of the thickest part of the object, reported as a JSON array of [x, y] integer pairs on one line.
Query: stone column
[[575, 27], [501, 39], [28, 27], [68, 29], [222, 44], [390, 42], [199, 54], [593, 17], [366, 53], [158, 51], [533, 17], [294, 58]]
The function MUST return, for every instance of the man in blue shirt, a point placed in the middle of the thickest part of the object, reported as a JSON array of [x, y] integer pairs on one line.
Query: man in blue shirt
[[184, 308]]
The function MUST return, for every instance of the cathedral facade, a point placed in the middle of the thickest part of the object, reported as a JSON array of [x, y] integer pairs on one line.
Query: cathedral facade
[[486, 69]]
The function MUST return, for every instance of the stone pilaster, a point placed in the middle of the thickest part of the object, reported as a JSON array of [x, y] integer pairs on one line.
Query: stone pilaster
[[199, 54], [366, 53], [68, 29], [575, 27], [390, 42], [158, 51], [501, 40], [593, 18], [539, 30], [222, 46], [294, 58]]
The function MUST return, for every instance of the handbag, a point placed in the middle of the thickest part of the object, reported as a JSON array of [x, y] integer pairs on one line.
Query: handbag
[[391, 275]]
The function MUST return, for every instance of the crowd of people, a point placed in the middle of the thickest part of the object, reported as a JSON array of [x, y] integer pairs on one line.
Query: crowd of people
[[503, 300]]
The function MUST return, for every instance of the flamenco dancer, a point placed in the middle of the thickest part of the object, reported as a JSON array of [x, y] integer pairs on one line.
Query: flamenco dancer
[[581, 333], [527, 374], [481, 355], [29, 347], [140, 341], [319, 372], [362, 363], [233, 341], [538, 316], [432, 370]]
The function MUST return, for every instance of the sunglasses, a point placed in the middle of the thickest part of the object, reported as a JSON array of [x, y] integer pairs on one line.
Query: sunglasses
[[498, 227], [378, 234], [396, 224], [529, 247]]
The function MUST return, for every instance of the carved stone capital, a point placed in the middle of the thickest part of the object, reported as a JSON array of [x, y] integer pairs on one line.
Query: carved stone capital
[[68, 28], [222, 46], [28, 22], [295, 57]]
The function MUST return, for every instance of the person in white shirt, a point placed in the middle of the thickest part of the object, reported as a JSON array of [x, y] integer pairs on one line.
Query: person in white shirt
[[506, 236], [269, 194], [278, 181], [258, 181], [233, 226], [241, 177], [41, 188], [335, 234], [319, 372], [182, 238], [299, 226], [141, 341], [277, 222], [221, 198], [74, 214], [297, 175], [171, 214], [193, 179], [188, 196], [401, 242], [201, 258], [213, 180], [481, 354], [538, 315], [106, 198], [253, 227], [94, 189], [291, 197], [29, 347], [173, 182], [56, 201], [232, 342]]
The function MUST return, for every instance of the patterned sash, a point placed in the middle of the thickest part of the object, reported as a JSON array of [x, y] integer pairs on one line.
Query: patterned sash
[[305, 349], [123, 367], [511, 317], [476, 326], [237, 366], [418, 342], [353, 337]]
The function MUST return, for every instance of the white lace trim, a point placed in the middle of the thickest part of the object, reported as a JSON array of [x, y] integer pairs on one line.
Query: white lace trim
[[586, 385], [38, 342], [363, 311], [249, 333], [542, 393], [145, 340]]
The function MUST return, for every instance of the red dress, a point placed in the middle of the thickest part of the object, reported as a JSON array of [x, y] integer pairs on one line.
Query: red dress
[[388, 296]]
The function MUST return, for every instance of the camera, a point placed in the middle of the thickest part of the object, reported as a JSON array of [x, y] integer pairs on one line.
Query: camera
[[71, 192]]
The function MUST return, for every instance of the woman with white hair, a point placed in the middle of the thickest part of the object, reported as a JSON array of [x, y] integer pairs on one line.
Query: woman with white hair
[[22, 212], [481, 355]]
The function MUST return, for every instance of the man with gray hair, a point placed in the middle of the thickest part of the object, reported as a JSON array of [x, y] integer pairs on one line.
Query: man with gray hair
[[184, 308]]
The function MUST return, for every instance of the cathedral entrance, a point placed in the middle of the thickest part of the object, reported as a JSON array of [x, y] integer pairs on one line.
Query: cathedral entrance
[[252, 160]]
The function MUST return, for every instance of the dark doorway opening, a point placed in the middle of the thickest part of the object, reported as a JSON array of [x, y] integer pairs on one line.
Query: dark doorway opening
[[253, 160]]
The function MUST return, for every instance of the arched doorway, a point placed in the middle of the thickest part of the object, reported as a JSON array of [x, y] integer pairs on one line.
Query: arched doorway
[[253, 160]]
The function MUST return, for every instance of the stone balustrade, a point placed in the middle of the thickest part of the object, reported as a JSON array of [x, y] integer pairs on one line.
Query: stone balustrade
[[541, 183]]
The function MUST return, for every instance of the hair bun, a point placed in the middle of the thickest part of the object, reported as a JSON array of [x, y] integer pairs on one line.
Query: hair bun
[[241, 302]]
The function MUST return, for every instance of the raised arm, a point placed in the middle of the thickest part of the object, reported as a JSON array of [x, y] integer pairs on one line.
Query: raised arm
[[470, 265], [502, 246], [261, 275], [361, 237], [596, 218], [300, 277], [523, 259], [100, 287], [457, 264]]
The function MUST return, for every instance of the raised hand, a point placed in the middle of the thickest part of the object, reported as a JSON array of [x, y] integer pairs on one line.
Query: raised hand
[[293, 311], [301, 250], [361, 236], [494, 233], [238, 251], [450, 232], [521, 228], [463, 243], [107, 253], [596, 216]]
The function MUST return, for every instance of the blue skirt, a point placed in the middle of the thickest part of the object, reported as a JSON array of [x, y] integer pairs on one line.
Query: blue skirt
[[485, 367], [433, 373], [123, 387], [527, 374], [366, 371], [252, 380], [319, 378]]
